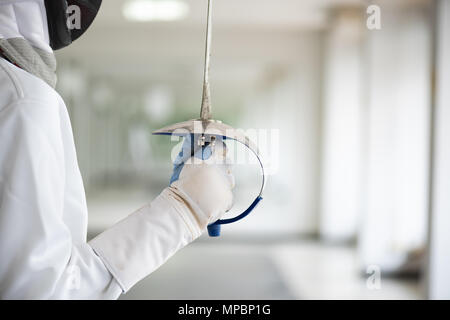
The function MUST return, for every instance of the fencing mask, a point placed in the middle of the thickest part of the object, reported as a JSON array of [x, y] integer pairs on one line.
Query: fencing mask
[[69, 19]]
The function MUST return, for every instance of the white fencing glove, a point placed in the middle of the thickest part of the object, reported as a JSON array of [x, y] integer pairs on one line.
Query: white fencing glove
[[199, 194], [204, 181]]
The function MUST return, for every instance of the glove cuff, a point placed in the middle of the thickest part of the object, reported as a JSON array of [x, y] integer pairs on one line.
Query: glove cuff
[[140, 243]]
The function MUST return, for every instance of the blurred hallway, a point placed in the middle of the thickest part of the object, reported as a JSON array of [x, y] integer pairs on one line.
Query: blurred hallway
[[348, 112], [292, 270]]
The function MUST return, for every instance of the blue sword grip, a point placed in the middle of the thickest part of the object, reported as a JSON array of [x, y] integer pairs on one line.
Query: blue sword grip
[[214, 228]]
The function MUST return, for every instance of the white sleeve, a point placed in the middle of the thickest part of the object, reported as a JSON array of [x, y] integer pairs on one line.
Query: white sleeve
[[140, 243], [38, 258]]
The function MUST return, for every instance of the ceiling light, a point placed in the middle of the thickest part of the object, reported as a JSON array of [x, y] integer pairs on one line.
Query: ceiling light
[[155, 10]]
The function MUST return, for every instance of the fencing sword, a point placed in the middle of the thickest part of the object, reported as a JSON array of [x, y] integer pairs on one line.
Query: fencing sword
[[208, 130]]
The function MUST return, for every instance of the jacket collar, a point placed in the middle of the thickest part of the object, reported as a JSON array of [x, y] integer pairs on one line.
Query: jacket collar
[[24, 38]]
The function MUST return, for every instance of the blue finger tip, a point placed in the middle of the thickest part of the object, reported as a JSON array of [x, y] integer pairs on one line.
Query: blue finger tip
[[214, 230]]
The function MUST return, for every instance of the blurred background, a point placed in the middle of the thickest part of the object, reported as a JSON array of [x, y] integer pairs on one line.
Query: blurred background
[[351, 95]]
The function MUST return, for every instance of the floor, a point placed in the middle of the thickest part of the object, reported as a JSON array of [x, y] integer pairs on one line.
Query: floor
[[250, 268], [294, 270]]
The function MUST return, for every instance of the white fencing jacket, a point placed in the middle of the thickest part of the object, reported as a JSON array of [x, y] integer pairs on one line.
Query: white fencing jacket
[[43, 214]]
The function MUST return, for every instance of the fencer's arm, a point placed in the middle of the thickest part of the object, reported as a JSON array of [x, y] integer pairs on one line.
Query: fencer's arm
[[144, 240], [39, 257]]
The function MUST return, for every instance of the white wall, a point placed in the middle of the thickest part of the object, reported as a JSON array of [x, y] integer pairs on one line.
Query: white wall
[[439, 263], [343, 138], [399, 66]]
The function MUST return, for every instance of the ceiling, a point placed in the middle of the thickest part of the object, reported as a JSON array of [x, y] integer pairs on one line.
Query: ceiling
[[250, 38], [291, 14]]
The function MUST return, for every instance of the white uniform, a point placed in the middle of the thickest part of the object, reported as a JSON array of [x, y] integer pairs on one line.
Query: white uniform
[[43, 214]]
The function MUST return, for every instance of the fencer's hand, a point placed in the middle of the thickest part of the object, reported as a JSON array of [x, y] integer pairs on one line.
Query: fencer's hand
[[199, 194], [203, 179]]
